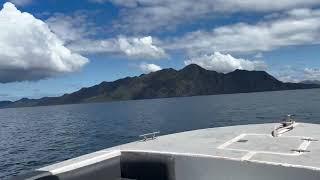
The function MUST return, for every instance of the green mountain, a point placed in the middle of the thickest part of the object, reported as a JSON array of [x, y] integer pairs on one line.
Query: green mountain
[[189, 81]]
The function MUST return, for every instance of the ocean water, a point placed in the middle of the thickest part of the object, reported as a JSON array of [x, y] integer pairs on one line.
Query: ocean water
[[33, 137]]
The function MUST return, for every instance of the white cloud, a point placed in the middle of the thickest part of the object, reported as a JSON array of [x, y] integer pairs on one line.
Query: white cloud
[[72, 27], [30, 51], [259, 55], [21, 2], [147, 68], [290, 73], [151, 15], [311, 73], [296, 27], [90, 46], [289, 78], [225, 63], [132, 47], [140, 47], [80, 35], [126, 3]]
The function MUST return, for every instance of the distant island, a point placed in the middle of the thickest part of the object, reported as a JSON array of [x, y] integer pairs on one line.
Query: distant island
[[192, 80]]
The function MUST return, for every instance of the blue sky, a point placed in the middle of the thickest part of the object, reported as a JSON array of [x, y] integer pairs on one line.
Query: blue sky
[[52, 47]]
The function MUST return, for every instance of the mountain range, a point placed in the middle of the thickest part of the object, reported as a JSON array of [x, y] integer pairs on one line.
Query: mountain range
[[192, 80], [310, 82]]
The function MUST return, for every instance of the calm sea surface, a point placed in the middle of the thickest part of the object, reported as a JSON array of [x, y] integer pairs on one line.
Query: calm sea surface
[[33, 137]]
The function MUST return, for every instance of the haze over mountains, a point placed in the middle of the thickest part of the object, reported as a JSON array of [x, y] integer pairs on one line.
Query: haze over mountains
[[192, 80]]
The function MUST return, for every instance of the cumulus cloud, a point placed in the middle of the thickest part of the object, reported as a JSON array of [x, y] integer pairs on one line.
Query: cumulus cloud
[[147, 68], [81, 35], [296, 27], [225, 63], [132, 47], [140, 47], [150, 15], [30, 51]]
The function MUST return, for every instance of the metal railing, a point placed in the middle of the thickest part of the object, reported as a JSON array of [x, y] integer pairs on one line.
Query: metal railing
[[286, 125], [149, 136]]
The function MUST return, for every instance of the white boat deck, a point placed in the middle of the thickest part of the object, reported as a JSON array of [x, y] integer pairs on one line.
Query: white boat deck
[[247, 142], [251, 143]]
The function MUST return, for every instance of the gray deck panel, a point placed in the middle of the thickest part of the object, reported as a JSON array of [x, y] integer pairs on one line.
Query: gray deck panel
[[206, 142]]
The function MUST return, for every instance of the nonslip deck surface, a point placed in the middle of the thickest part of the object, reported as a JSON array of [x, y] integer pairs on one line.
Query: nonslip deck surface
[[241, 143]]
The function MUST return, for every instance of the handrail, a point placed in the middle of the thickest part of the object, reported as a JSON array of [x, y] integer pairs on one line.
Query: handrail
[[149, 136], [287, 125]]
